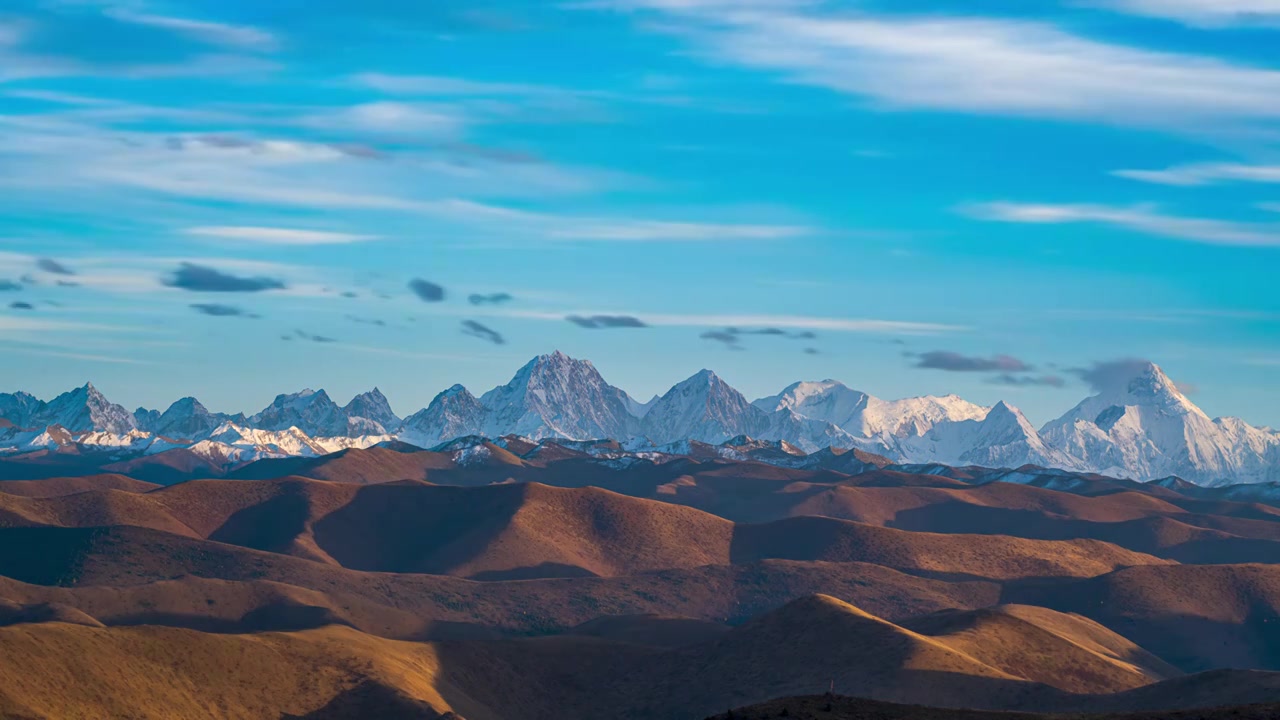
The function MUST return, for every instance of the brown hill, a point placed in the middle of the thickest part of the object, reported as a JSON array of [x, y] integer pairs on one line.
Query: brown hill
[[954, 556], [823, 707], [521, 531], [53, 487], [1197, 617], [1068, 652], [59, 671]]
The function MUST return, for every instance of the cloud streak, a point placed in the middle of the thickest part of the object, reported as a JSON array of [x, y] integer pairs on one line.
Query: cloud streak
[[426, 290], [491, 299], [220, 310], [1198, 174], [201, 278], [1141, 219], [213, 33], [53, 267], [790, 322], [483, 332], [606, 322], [955, 362], [976, 65], [1201, 13], [276, 236]]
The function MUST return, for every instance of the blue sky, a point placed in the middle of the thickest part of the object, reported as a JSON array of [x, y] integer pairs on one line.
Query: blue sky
[[230, 199]]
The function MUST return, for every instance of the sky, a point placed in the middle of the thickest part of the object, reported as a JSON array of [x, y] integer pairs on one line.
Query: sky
[[233, 199]]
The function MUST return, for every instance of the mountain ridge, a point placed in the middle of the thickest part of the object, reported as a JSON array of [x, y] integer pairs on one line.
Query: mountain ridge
[[1141, 426]]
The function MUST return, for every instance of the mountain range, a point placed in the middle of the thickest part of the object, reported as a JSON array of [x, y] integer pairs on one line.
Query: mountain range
[[1140, 427]]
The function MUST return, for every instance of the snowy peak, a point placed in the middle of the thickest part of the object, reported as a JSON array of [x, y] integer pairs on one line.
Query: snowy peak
[[373, 406], [187, 419], [556, 396], [85, 409], [453, 413], [1140, 425], [19, 408], [703, 408], [1146, 386], [311, 411]]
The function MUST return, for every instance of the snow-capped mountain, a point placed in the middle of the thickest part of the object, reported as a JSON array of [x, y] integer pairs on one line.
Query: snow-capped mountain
[[19, 408], [375, 407], [310, 411], [1144, 427], [558, 396], [185, 419], [703, 408], [864, 416], [452, 414], [81, 410], [1002, 438], [1139, 427]]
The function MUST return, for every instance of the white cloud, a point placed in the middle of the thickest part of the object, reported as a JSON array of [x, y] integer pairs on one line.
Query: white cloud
[[982, 65], [1139, 219], [394, 118], [1201, 13], [794, 322], [1205, 174], [276, 236], [214, 33], [442, 85]]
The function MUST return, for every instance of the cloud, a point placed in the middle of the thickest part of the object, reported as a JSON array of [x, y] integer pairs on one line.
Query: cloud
[[602, 322], [201, 278], [392, 118], [775, 332], [9, 286], [213, 33], [1205, 174], [277, 236], [728, 339], [1201, 13], [54, 267], [955, 362], [220, 310], [1111, 374], [302, 334], [427, 291], [792, 322], [477, 330], [366, 321], [350, 294], [976, 65], [19, 305], [812, 351], [1140, 219], [491, 299], [1052, 381], [441, 85]]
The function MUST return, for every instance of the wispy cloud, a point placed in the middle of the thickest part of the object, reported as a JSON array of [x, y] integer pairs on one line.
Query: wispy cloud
[[796, 322], [976, 65], [956, 362], [498, 298], [478, 330], [53, 267], [605, 322], [201, 278], [426, 290], [1200, 13], [214, 33], [1205, 174], [1142, 219], [1010, 380], [220, 310], [277, 236]]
